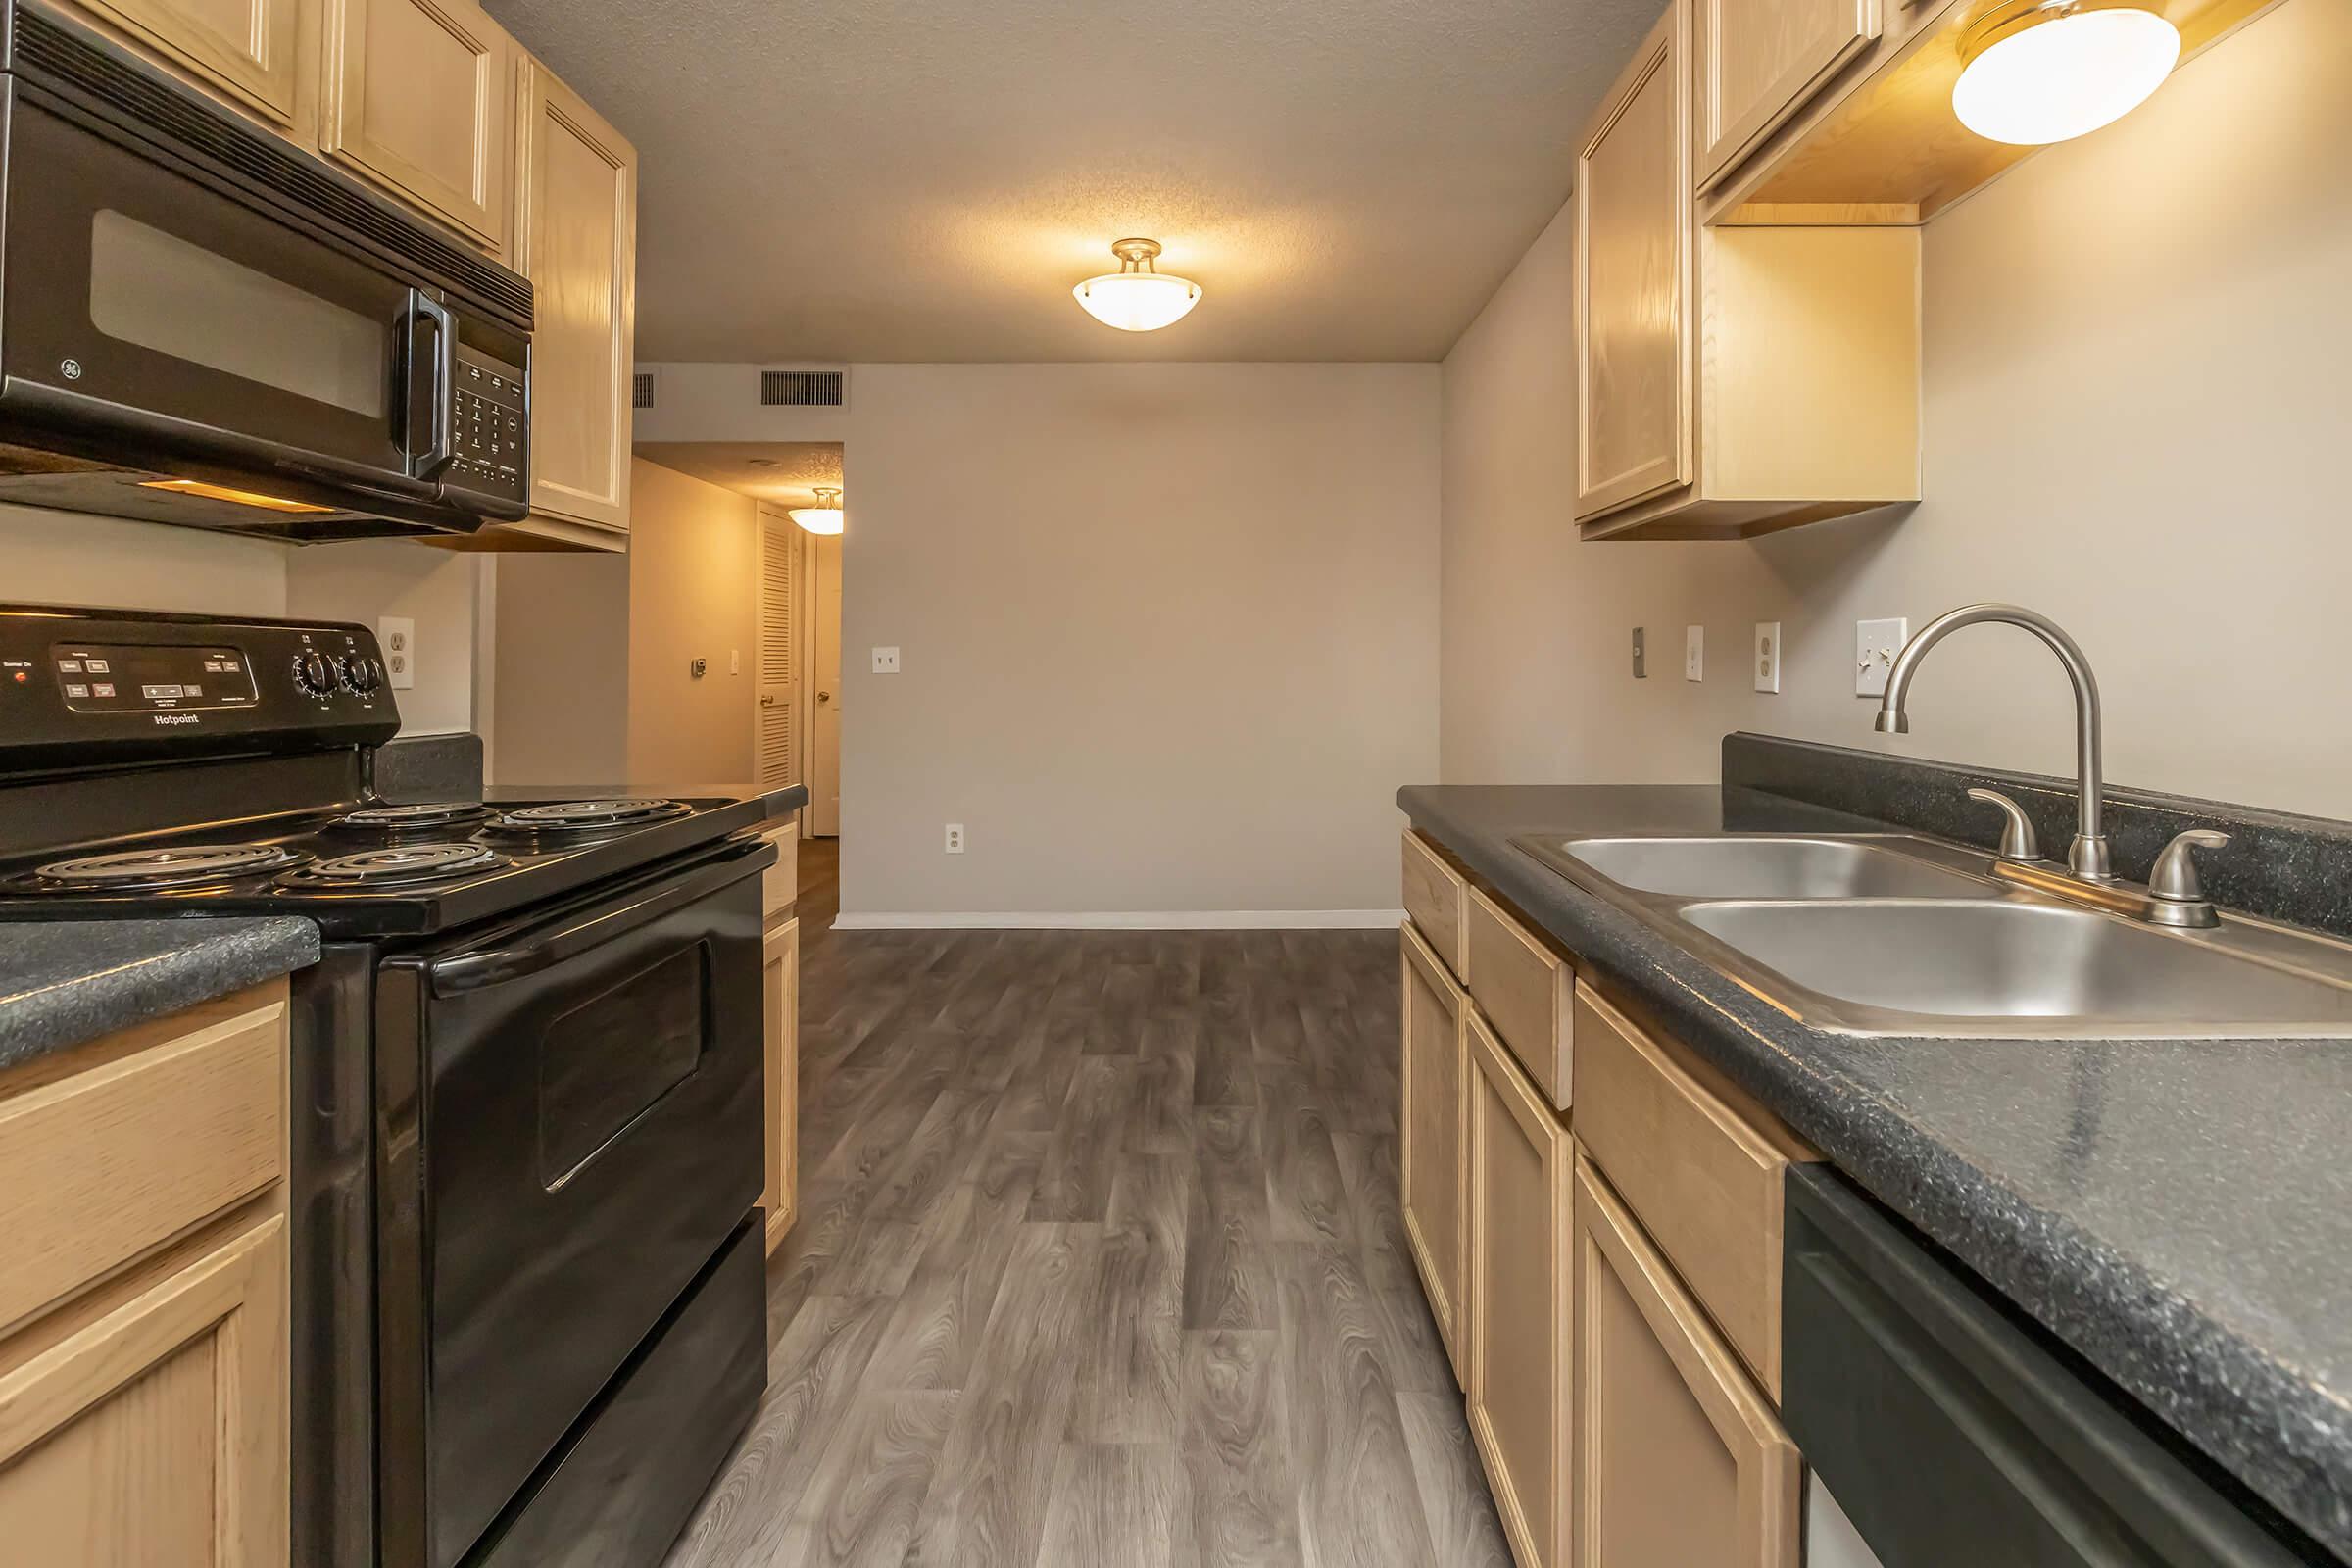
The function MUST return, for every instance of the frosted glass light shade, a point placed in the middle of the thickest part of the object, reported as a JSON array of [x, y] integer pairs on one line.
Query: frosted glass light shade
[[2067, 77], [1138, 302], [823, 518]]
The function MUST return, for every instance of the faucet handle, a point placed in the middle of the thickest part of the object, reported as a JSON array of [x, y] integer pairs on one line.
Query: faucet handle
[[2174, 877], [2018, 840]]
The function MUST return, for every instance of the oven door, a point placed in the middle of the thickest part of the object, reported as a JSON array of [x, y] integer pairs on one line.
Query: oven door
[[570, 1127], [151, 316]]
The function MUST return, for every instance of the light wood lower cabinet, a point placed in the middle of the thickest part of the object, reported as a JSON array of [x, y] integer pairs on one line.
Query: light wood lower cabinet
[[1521, 1165], [156, 1434], [1679, 1457], [143, 1363], [781, 966], [1433, 1122]]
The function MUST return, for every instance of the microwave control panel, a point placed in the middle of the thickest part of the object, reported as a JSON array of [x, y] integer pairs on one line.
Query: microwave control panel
[[492, 425]]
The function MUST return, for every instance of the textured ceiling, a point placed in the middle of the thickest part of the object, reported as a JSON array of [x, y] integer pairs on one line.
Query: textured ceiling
[[841, 180], [765, 471]]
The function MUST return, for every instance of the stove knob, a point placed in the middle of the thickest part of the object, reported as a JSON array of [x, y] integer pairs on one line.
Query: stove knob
[[313, 674], [362, 674]]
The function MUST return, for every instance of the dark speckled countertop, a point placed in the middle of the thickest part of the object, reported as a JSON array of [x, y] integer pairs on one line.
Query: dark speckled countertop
[[2178, 1211], [66, 981]]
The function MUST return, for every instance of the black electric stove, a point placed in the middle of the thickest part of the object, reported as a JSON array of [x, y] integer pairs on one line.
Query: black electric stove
[[526, 1080]]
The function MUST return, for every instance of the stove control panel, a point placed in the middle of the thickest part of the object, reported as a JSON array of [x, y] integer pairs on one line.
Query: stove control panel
[[82, 687]]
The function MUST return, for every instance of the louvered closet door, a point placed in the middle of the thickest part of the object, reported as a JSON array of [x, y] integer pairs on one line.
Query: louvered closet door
[[777, 739]]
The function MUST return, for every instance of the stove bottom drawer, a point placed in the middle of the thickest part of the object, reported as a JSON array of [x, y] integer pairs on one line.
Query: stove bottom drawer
[[625, 1482]]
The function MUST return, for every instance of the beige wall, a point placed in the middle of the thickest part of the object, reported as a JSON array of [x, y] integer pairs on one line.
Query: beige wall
[[70, 558], [592, 651], [2135, 351], [1166, 630]]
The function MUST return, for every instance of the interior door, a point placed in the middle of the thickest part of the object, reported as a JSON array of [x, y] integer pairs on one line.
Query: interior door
[[776, 730], [824, 675]]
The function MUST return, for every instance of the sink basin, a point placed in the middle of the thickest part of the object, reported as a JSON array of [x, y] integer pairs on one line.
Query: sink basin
[[1941, 963], [1758, 866]]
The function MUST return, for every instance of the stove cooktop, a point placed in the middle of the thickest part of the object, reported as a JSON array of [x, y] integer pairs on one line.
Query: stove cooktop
[[377, 871]]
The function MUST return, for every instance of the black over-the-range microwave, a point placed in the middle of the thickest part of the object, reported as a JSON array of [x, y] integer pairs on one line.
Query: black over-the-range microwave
[[201, 325]]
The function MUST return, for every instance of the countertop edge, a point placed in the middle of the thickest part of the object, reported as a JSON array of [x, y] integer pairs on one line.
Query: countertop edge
[[2248, 1412], [186, 962]]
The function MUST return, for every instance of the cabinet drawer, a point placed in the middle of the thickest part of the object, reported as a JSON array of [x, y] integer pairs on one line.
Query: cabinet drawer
[[1524, 988], [1705, 1178], [100, 1166], [1439, 900]]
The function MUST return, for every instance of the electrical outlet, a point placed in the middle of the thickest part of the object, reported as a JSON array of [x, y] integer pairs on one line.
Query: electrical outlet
[[886, 661], [1768, 656], [1876, 643], [1641, 653], [1694, 653], [955, 838], [397, 636]]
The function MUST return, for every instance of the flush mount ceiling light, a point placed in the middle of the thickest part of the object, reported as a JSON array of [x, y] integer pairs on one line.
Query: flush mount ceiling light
[[1138, 297], [825, 516], [2041, 70]]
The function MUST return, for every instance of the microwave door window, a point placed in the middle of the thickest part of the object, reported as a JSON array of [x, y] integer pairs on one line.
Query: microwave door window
[[166, 308], [161, 292]]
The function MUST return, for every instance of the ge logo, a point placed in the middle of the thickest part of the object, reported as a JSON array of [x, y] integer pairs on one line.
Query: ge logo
[[72, 370]]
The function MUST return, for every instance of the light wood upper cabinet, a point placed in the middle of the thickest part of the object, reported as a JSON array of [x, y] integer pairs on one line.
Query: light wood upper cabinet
[[1520, 1308], [156, 1433], [1434, 1121], [1632, 279], [1679, 1459], [419, 98], [1729, 381], [1758, 61], [250, 49], [576, 227], [781, 966]]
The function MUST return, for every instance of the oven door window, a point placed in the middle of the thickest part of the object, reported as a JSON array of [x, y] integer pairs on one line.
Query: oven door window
[[184, 315]]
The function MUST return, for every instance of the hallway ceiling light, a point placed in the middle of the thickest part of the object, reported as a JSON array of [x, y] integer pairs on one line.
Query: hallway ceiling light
[[1138, 297], [825, 516], [2034, 72]]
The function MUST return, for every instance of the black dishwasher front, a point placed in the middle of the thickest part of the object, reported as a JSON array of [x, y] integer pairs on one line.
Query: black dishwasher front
[[1955, 1432]]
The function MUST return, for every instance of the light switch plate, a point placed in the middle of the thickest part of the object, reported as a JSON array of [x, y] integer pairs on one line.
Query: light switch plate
[[1768, 656], [1876, 643], [1694, 653], [396, 636], [886, 661]]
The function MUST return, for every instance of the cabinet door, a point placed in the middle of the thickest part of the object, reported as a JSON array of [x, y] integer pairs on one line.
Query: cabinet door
[[577, 240], [1760, 60], [1521, 1163], [1679, 1459], [1433, 1120], [250, 49], [418, 99], [156, 1433], [782, 968], [1633, 280]]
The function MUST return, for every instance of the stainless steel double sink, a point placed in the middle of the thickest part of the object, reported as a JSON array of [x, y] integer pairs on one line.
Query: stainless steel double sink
[[1893, 934]]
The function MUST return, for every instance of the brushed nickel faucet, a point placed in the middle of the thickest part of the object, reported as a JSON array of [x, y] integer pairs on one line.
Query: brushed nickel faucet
[[2087, 856], [2174, 895]]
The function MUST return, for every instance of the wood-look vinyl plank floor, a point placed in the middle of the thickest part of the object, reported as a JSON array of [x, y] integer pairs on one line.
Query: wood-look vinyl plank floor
[[1099, 1263]]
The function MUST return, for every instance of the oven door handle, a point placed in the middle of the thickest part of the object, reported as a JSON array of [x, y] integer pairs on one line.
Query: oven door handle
[[540, 949]]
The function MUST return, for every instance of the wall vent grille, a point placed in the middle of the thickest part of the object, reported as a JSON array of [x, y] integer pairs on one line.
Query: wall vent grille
[[804, 389], [642, 394]]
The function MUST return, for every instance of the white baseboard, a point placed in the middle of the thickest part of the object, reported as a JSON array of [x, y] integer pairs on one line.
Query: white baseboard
[[1134, 920]]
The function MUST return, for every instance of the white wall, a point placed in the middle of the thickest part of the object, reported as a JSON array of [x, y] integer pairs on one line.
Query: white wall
[[438, 589], [2135, 404], [1167, 630]]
